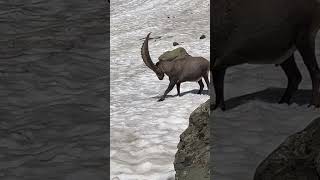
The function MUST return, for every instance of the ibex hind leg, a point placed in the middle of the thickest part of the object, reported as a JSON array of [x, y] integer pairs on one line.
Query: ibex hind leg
[[201, 86], [206, 79], [178, 89], [306, 47], [294, 78], [218, 83]]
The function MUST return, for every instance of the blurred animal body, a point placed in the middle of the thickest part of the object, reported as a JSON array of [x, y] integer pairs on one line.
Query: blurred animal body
[[264, 32]]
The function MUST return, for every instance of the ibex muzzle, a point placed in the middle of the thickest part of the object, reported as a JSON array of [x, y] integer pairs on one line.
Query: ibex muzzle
[[179, 70], [265, 32]]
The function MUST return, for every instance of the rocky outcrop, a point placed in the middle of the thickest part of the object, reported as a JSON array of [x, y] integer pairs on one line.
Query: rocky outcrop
[[297, 158], [191, 160]]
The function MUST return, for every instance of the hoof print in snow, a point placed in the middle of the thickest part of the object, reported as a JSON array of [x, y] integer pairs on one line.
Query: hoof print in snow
[[175, 44], [298, 157]]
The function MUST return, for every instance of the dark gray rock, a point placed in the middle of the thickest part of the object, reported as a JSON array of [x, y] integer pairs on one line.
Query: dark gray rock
[[297, 158], [317, 162], [191, 160], [202, 36], [175, 44]]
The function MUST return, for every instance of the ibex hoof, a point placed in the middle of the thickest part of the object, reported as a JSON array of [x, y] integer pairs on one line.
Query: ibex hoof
[[216, 106], [285, 99], [314, 103], [282, 101], [161, 99]]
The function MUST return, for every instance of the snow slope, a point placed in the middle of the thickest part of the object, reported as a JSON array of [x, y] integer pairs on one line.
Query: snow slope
[[144, 132]]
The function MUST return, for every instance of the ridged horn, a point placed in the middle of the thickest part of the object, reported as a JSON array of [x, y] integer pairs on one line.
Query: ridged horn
[[146, 56]]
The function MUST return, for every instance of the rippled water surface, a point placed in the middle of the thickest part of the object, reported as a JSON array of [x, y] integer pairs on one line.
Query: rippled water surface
[[53, 89]]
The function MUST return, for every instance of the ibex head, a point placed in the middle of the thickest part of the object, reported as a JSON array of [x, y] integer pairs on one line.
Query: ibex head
[[147, 59]]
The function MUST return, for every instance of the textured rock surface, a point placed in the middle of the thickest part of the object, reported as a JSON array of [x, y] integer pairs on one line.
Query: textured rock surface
[[53, 89], [191, 160], [297, 158], [179, 52]]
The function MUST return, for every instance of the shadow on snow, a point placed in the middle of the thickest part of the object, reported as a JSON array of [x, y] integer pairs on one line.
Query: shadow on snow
[[270, 95], [194, 91]]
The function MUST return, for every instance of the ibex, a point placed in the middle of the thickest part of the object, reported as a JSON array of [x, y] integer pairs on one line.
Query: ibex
[[179, 70], [265, 32]]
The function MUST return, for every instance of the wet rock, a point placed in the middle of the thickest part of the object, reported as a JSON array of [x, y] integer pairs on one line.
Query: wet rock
[[297, 158], [191, 160], [175, 44], [202, 36]]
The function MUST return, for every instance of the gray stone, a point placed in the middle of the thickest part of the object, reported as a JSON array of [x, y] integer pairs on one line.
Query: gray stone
[[177, 53], [191, 160], [297, 158]]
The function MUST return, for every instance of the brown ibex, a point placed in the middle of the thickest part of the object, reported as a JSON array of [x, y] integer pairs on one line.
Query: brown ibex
[[179, 70], [265, 32]]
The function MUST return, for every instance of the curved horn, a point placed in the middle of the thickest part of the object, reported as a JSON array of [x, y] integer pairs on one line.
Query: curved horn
[[146, 56]]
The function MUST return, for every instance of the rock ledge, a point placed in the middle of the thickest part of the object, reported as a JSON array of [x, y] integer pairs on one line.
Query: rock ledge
[[191, 160]]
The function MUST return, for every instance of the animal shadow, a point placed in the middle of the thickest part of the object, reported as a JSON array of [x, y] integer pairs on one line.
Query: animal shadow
[[194, 91], [270, 95]]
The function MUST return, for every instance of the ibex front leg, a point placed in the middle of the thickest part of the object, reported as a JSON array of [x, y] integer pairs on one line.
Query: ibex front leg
[[306, 47], [170, 87], [178, 89]]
